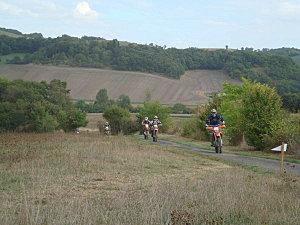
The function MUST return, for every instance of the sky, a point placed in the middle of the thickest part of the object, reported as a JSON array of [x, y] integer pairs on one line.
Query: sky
[[174, 23]]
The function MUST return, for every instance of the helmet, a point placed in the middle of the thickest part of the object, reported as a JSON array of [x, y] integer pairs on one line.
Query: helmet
[[155, 117], [214, 111], [146, 118], [106, 123]]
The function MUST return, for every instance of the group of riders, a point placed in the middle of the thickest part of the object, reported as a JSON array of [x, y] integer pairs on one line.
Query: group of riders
[[151, 126]]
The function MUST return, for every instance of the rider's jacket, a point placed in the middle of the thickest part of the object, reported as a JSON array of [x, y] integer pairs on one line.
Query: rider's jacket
[[155, 122], [214, 119], [145, 122]]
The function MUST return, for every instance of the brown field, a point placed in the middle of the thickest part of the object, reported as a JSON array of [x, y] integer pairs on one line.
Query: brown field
[[91, 179], [84, 83]]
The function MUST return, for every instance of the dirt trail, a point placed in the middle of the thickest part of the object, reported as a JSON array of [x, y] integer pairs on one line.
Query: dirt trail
[[266, 164]]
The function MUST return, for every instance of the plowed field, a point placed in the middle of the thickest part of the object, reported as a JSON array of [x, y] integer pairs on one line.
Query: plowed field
[[84, 83]]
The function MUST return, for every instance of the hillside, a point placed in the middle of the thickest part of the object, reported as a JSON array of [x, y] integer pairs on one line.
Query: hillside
[[274, 67], [191, 89]]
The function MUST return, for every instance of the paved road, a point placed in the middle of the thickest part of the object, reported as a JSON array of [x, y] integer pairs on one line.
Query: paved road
[[267, 164]]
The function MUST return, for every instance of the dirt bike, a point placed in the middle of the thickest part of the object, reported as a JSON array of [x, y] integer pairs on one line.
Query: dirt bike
[[146, 131], [217, 137], [107, 130], [154, 132]]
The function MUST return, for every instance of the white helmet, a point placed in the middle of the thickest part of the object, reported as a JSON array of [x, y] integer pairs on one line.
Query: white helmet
[[214, 111], [146, 118], [106, 123], [155, 117]]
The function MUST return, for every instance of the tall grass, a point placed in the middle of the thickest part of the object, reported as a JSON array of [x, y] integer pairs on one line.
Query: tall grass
[[91, 179]]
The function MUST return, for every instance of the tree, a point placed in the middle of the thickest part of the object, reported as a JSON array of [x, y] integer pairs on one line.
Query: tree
[[262, 112], [118, 117], [231, 108], [180, 108], [39, 107], [124, 102], [102, 97]]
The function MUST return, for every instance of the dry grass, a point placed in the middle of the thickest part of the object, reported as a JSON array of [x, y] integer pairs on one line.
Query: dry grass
[[84, 83], [92, 179]]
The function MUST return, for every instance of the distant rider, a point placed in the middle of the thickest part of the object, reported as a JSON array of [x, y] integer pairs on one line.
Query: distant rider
[[106, 125], [214, 119]]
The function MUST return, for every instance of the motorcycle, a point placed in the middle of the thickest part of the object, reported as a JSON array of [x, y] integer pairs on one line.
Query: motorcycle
[[146, 131], [107, 130], [217, 136], [154, 132]]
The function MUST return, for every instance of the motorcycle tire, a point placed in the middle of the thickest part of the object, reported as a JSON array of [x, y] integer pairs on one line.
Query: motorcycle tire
[[218, 145], [154, 137]]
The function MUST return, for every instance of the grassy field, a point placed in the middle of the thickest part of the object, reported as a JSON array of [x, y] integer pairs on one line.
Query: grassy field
[[91, 179], [84, 83]]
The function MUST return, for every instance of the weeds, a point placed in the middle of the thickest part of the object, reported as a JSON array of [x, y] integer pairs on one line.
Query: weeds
[[92, 179]]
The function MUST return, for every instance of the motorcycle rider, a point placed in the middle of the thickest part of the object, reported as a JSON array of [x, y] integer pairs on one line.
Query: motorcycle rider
[[106, 126], [155, 121], [214, 119], [146, 121]]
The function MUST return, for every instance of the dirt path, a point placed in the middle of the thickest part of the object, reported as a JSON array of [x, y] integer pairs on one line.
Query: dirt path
[[266, 164]]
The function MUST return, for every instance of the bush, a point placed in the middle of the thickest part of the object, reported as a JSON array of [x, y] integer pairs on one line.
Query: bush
[[39, 107], [231, 106], [192, 128], [118, 118], [262, 114], [151, 109], [179, 108]]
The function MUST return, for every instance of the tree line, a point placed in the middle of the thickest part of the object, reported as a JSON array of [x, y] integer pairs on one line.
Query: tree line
[[266, 66]]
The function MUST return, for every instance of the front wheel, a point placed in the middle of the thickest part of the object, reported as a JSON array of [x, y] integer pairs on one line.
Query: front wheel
[[218, 145], [146, 135], [154, 136]]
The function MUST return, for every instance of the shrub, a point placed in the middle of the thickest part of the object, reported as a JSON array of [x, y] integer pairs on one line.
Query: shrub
[[231, 106], [262, 113], [192, 128], [118, 118], [40, 107], [151, 109]]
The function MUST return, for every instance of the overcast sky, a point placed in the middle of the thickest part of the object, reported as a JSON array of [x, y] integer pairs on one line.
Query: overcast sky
[[174, 23]]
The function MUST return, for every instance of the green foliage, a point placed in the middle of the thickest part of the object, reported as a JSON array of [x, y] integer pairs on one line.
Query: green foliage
[[291, 101], [102, 97], [262, 113], [40, 107], [179, 108], [124, 102], [255, 110], [231, 107], [151, 109], [274, 67], [118, 118], [193, 128]]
